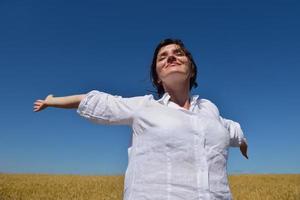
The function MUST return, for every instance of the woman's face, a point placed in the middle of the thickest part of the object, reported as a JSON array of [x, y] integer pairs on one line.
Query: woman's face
[[172, 64]]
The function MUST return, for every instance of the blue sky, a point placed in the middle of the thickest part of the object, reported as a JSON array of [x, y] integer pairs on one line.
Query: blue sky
[[247, 55]]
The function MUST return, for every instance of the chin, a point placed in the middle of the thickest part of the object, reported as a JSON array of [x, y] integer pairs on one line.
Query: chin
[[176, 77]]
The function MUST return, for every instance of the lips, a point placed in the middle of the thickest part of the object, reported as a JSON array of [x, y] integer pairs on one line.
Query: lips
[[172, 65]]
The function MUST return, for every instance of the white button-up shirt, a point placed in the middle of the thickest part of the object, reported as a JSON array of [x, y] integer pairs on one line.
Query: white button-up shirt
[[176, 154]]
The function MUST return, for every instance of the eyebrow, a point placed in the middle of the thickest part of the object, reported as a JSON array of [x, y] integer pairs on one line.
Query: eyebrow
[[162, 54], [175, 50], [179, 50]]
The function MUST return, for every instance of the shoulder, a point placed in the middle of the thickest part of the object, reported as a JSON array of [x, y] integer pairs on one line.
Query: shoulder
[[95, 96], [101, 93], [209, 105]]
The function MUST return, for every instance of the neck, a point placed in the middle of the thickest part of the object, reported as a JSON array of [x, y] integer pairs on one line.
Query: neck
[[179, 94]]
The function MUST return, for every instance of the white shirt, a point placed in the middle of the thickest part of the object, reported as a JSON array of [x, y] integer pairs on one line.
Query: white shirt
[[176, 154]]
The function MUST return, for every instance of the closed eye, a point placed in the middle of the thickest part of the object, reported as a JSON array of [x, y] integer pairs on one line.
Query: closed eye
[[179, 52], [161, 58]]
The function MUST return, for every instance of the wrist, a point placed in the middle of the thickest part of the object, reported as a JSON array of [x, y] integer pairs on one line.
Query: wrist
[[50, 100]]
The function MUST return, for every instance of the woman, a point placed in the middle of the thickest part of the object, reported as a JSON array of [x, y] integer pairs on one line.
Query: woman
[[180, 142]]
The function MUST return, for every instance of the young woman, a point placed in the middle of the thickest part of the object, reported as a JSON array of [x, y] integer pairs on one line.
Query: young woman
[[179, 142]]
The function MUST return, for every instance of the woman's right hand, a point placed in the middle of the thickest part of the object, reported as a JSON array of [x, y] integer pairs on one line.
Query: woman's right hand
[[243, 148], [42, 104]]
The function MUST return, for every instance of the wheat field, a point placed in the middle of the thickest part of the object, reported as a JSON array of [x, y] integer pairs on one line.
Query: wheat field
[[75, 187]]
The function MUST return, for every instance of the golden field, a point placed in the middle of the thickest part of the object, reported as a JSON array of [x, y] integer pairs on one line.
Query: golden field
[[69, 187]]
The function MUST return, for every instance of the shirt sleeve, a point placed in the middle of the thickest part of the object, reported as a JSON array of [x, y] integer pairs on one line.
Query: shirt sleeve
[[234, 128], [235, 131], [104, 108]]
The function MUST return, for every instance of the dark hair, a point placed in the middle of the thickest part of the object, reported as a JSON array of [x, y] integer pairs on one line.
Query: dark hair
[[153, 73]]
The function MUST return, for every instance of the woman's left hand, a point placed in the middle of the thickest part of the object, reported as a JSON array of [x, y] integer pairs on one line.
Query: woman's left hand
[[243, 148]]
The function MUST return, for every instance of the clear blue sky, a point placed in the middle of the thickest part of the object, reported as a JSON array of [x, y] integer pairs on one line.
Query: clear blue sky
[[247, 55]]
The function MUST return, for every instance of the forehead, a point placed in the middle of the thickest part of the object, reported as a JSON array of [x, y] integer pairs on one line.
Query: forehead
[[169, 47]]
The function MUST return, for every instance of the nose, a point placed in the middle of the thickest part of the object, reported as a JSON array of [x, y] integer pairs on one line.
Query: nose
[[171, 59]]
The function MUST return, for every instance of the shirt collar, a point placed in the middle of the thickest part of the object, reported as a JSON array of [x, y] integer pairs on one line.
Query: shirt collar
[[166, 98]]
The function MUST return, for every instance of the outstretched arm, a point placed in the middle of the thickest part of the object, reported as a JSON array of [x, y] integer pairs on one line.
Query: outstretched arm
[[59, 102]]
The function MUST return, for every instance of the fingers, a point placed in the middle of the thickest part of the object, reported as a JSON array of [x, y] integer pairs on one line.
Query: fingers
[[36, 108], [38, 105], [39, 101]]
